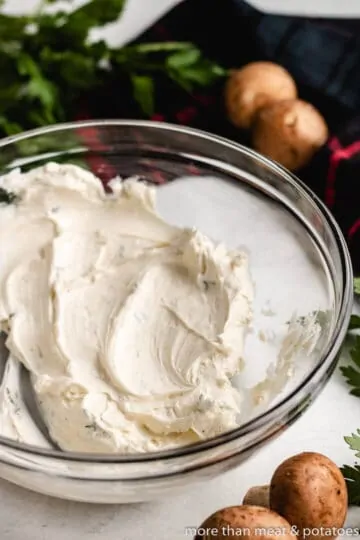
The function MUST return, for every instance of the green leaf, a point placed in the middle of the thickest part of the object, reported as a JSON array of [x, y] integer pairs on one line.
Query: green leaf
[[200, 76], [354, 322], [98, 50], [12, 27], [27, 66], [352, 478], [357, 285], [94, 14], [9, 93], [75, 69], [143, 88], [183, 58], [355, 352], [189, 68], [180, 80], [47, 63], [203, 74], [43, 90], [167, 46], [9, 127], [352, 474], [352, 372], [69, 30], [38, 86], [354, 442], [352, 377]]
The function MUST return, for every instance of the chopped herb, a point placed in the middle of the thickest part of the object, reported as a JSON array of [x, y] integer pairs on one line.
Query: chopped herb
[[7, 197], [97, 430], [207, 284], [10, 397], [92, 427], [13, 400]]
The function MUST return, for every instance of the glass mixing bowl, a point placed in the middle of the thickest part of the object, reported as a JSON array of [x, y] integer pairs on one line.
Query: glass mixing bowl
[[299, 263]]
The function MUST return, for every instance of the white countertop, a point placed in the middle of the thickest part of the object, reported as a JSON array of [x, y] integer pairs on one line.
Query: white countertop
[[26, 515]]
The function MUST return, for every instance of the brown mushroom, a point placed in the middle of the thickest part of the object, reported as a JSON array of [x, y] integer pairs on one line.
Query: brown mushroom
[[289, 132], [249, 522], [254, 86], [309, 491], [258, 496]]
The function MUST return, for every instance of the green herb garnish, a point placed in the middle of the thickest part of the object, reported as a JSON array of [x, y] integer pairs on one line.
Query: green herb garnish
[[354, 322], [92, 427], [351, 373], [352, 478], [7, 197], [48, 63]]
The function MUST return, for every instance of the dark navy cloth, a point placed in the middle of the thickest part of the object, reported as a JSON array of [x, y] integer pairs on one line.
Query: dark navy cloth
[[322, 55]]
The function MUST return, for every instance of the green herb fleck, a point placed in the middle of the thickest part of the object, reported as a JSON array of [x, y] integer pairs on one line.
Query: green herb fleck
[[92, 427], [207, 284], [10, 397], [7, 197]]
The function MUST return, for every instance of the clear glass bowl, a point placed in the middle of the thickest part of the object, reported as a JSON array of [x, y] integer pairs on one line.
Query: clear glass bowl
[[299, 262]]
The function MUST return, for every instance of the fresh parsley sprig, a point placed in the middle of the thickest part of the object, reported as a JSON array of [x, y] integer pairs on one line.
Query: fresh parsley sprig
[[352, 478], [47, 62], [351, 373], [181, 62]]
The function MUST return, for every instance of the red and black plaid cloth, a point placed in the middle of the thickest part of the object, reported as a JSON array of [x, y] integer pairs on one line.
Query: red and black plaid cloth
[[322, 55]]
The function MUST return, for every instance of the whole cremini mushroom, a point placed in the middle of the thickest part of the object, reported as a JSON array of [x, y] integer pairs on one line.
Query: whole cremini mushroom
[[309, 491], [289, 132], [254, 86], [247, 522]]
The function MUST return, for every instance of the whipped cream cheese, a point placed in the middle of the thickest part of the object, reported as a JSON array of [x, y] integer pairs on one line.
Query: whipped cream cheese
[[131, 328]]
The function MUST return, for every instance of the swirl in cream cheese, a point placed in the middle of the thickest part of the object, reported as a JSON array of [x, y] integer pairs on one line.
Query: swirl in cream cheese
[[132, 328]]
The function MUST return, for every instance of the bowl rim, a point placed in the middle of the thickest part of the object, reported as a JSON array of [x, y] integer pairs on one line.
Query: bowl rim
[[275, 413]]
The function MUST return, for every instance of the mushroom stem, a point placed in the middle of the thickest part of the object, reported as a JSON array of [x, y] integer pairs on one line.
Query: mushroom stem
[[258, 496]]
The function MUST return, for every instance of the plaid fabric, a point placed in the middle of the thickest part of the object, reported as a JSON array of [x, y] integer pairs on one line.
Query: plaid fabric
[[323, 57]]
